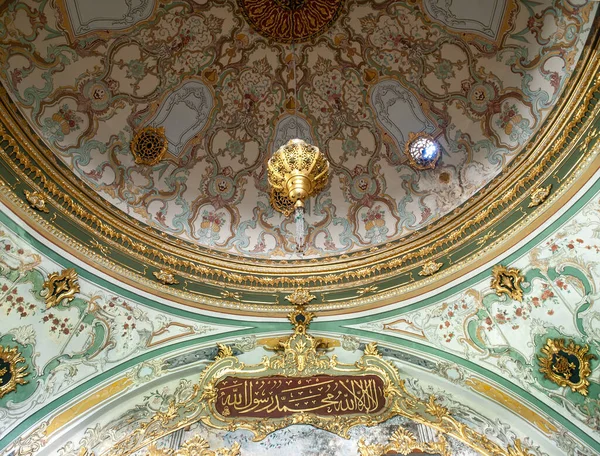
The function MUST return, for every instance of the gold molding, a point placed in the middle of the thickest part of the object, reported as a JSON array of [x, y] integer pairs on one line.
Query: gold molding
[[403, 441], [507, 281], [566, 365], [354, 269], [60, 286], [9, 358]]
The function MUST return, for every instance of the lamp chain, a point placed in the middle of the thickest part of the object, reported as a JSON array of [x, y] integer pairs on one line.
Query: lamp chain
[[299, 210]]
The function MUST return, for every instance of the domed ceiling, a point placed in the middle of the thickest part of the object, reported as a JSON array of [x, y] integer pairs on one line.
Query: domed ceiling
[[232, 81], [118, 279]]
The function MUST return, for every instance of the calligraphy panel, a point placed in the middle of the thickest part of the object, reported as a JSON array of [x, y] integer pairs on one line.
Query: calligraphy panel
[[279, 396]]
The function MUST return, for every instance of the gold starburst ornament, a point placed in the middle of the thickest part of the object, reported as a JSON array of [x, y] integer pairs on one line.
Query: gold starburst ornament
[[11, 375]]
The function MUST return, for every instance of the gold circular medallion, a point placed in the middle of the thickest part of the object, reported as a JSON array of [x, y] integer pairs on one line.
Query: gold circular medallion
[[288, 21], [149, 146]]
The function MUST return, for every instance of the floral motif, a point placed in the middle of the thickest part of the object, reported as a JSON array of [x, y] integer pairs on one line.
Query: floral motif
[[374, 220], [88, 94], [61, 124]]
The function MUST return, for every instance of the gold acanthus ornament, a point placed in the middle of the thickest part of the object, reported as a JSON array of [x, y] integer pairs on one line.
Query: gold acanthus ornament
[[430, 268], [195, 446], [166, 277], [404, 442], [507, 281], [60, 286], [539, 195], [36, 201]]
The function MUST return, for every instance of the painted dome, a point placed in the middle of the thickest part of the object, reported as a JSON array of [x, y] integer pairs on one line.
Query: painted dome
[[480, 79]]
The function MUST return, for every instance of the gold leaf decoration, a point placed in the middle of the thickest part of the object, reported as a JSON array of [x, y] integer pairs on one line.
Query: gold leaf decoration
[[371, 349], [567, 365], [224, 351], [300, 296], [540, 195], [430, 268], [61, 286], [300, 357], [508, 281], [166, 277], [231, 295], [363, 291], [36, 201], [404, 442], [11, 375]]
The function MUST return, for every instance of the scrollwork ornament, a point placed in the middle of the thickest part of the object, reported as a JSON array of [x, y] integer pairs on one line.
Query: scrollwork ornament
[[507, 281], [301, 360], [567, 365], [540, 195], [36, 201], [430, 268], [300, 357], [11, 375], [61, 286]]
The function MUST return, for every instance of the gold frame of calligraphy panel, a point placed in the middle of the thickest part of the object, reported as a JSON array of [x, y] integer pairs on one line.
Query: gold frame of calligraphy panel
[[303, 357]]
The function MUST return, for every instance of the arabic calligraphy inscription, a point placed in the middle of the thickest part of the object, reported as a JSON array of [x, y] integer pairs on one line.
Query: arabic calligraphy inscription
[[279, 397]]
